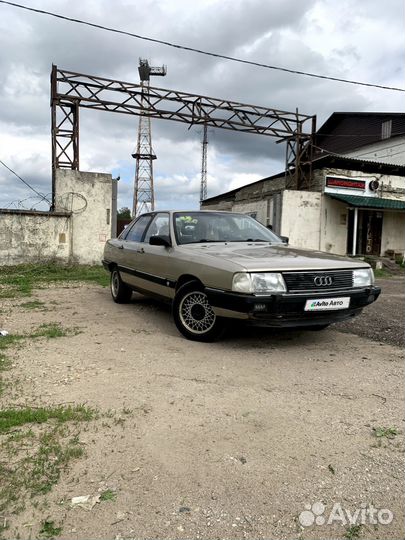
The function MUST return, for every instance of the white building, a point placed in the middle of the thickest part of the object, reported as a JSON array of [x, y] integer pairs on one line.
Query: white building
[[355, 206]]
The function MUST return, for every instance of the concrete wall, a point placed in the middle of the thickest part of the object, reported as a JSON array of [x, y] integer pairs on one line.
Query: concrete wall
[[393, 232], [75, 233], [89, 197], [260, 208], [27, 236], [334, 222], [300, 218]]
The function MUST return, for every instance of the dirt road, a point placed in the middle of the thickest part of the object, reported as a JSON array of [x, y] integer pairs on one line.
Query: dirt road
[[225, 440]]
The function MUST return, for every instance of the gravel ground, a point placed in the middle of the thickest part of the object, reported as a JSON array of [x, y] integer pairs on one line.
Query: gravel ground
[[383, 321], [228, 440]]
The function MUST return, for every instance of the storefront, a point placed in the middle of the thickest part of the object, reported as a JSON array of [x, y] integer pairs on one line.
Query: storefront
[[353, 208], [372, 221]]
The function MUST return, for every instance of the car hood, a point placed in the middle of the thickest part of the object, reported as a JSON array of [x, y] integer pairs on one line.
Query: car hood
[[263, 256]]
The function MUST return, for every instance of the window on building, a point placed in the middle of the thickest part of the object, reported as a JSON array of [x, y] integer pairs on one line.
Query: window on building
[[386, 129]]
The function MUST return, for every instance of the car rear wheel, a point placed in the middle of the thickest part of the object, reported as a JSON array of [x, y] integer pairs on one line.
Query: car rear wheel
[[194, 316], [120, 292]]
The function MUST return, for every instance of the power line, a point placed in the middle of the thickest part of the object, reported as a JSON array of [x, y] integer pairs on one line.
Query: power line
[[199, 51], [43, 197]]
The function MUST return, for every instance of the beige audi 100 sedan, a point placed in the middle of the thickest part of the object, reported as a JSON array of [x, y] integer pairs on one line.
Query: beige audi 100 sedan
[[215, 266]]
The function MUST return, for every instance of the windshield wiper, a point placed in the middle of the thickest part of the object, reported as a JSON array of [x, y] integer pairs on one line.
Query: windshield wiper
[[202, 241], [251, 240]]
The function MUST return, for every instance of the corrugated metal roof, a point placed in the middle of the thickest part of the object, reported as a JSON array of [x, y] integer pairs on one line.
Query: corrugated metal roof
[[369, 202], [382, 166], [347, 131]]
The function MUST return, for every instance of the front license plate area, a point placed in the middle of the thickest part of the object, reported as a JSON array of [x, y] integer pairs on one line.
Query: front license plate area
[[327, 304]]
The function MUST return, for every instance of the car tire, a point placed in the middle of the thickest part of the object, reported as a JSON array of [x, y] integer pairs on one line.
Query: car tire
[[194, 316], [121, 293]]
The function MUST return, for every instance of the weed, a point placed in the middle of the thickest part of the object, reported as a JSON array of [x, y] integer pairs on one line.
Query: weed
[[119, 421], [353, 532], [389, 433], [108, 495], [49, 530]]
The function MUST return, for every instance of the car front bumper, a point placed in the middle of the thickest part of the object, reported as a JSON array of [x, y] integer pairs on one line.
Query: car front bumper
[[287, 309]]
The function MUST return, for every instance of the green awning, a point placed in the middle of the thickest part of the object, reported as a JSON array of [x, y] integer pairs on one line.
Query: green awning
[[369, 202]]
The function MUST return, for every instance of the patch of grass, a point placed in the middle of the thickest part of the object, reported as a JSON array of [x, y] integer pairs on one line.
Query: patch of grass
[[49, 529], [34, 304], [35, 458], [4, 362], [108, 495], [352, 532], [53, 330], [8, 341], [389, 433], [5, 342], [18, 281], [381, 273], [52, 457], [12, 418]]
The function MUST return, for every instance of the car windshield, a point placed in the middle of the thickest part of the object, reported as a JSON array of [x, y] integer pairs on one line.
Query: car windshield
[[201, 227]]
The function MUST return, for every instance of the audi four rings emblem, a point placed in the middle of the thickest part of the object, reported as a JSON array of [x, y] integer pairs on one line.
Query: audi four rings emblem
[[323, 281]]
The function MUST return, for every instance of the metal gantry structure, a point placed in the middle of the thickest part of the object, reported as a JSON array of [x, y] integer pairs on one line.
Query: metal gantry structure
[[70, 91], [204, 184], [144, 193]]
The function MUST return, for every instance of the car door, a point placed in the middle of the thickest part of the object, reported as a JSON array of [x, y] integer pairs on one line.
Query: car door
[[153, 261], [132, 249]]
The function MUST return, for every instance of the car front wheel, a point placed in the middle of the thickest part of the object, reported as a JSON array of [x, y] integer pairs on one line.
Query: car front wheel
[[194, 316], [120, 292]]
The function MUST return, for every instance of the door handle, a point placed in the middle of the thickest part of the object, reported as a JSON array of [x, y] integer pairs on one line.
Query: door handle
[[140, 250]]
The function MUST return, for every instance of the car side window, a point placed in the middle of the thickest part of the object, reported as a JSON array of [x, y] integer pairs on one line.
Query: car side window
[[158, 227], [138, 229]]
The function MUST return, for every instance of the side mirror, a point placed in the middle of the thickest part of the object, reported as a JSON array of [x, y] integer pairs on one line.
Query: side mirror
[[160, 241], [285, 239]]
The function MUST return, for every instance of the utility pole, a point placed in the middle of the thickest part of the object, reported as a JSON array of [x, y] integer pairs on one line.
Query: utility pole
[[144, 197], [203, 188]]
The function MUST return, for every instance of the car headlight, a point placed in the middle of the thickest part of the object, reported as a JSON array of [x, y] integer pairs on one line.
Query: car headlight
[[259, 283], [363, 277]]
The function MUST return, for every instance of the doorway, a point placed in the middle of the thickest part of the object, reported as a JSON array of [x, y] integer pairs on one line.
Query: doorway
[[369, 230]]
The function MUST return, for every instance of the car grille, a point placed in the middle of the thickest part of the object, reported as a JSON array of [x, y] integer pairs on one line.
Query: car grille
[[318, 281]]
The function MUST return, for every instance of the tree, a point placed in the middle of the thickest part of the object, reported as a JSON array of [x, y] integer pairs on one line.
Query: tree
[[124, 213]]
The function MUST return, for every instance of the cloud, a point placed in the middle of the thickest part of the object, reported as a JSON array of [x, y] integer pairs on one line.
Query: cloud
[[350, 42]]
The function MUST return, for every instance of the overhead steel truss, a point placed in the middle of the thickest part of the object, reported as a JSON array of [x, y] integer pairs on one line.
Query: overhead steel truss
[[71, 90]]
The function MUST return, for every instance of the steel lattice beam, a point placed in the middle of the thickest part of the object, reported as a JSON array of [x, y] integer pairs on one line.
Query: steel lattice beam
[[99, 93]]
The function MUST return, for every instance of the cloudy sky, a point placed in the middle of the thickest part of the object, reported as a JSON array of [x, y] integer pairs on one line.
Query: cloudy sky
[[361, 40]]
